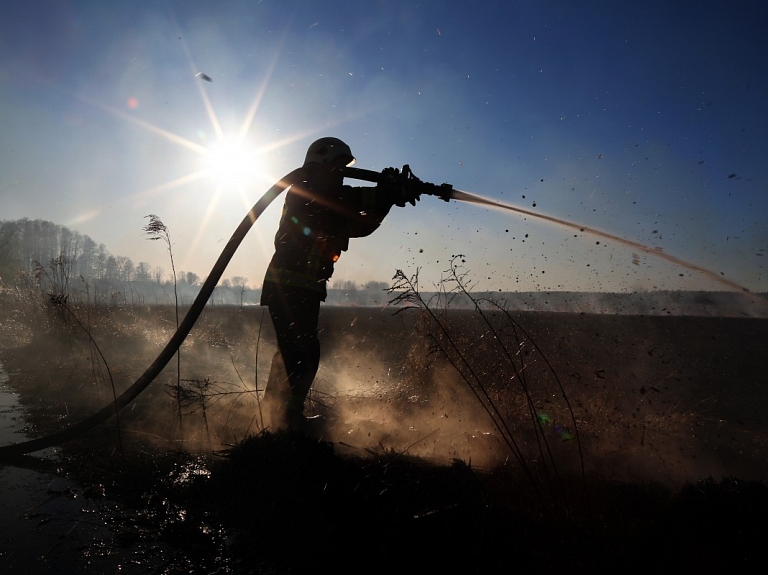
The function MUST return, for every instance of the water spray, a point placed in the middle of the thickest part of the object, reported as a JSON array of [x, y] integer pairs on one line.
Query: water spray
[[447, 192], [656, 252]]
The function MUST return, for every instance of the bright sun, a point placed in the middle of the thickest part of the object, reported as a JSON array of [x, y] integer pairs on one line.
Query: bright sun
[[231, 160]]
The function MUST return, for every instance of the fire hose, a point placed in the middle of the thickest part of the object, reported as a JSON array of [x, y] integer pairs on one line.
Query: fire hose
[[405, 178]]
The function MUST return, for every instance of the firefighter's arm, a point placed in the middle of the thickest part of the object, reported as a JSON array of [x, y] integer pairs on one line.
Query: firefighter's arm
[[392, 189], [371, 211]]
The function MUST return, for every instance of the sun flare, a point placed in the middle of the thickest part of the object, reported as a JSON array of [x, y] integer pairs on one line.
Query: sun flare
[[231, 160]]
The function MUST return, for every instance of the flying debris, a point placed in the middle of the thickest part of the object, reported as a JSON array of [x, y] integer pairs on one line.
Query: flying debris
[[205, 77]]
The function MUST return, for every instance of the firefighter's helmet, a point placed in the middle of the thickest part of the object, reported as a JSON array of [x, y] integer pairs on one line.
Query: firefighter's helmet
[[330, 151]]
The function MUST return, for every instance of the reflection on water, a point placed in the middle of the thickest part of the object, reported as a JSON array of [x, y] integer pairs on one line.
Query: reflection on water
[[12, 419], [49, 524], [10, 413]]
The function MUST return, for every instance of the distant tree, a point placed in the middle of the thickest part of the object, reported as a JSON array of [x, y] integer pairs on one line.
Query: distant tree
[[143, 272], [376, 286], [102, 257], [9, 256], [227, 283], [39, 243], [241, 283], [86, 264], [191, 278], [344, 285], [111, 268], [125, 268], [157, 275], [67, 243]]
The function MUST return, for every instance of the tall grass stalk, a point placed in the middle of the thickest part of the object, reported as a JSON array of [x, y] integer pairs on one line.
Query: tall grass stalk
[[157, 230], [256, 370]]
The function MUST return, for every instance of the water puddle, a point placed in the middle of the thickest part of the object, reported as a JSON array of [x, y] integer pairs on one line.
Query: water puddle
[[49, 524]]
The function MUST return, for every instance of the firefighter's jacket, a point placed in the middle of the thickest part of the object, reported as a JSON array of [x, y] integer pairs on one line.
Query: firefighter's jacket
[[319, 216]]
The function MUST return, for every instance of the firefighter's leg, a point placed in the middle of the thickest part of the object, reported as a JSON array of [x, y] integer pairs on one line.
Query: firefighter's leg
[[303, 373], [295, 319], [302, 358], [277, 394]]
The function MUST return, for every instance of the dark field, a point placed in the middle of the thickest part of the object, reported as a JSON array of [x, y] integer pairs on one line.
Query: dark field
[[621, 442]]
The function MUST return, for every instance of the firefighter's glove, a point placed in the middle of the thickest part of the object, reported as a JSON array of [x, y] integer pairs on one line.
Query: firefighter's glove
[[398, 188], [412, 189]]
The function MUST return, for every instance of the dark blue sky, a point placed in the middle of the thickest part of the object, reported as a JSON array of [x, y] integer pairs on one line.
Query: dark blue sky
[[647, 121]]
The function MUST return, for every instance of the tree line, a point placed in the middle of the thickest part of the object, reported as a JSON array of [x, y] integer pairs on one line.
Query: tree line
[[62, 261], [65, 260], [26, 244]]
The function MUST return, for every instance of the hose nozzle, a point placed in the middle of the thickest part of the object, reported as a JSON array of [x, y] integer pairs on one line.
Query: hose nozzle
[[442, 191]]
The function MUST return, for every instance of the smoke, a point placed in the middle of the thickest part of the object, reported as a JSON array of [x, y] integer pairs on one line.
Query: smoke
[[366, 404], [382, 387], [440, 422], [376, 389]]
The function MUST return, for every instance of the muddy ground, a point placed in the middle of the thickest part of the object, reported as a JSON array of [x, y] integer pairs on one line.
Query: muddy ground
[[483, 443]]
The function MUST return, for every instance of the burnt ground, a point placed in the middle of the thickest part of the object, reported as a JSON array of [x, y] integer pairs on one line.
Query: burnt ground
[[660, 464]]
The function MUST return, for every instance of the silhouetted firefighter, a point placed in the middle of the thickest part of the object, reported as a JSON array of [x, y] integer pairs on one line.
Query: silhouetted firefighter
[[319, 217]]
